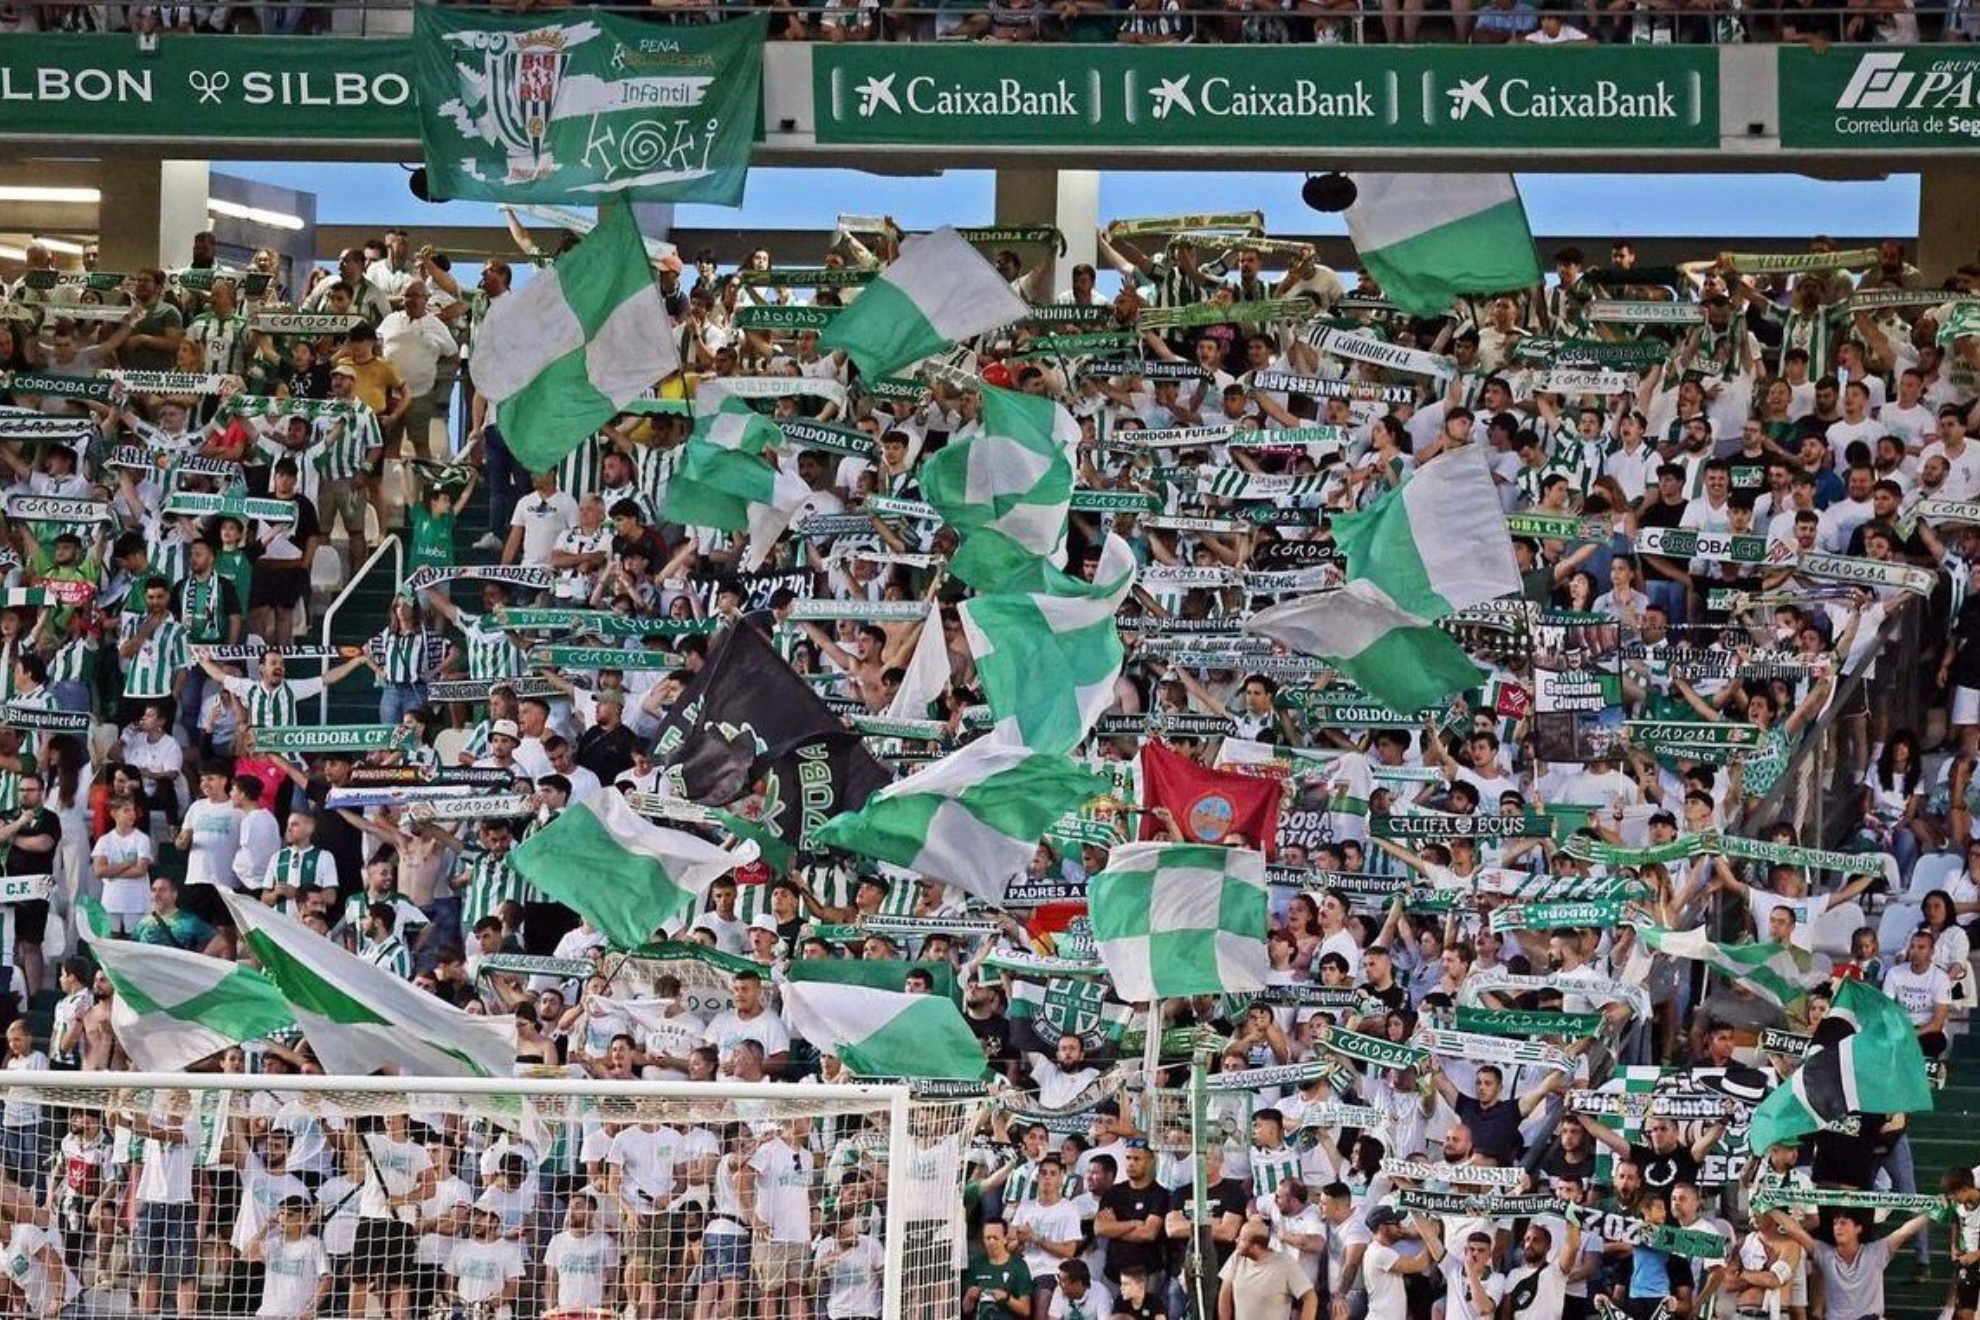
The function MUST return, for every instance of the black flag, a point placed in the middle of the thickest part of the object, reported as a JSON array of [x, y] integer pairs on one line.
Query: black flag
[[749, 725]]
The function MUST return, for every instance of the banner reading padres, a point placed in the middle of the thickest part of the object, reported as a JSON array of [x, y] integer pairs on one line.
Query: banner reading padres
[[578, 109]]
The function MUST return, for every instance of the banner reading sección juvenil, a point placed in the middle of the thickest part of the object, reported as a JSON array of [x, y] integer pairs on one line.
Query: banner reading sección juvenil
[[1097, 96], [576, 109]]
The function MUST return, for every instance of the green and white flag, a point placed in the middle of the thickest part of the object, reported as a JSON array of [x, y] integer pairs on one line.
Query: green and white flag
[[579, 105], [362, 1019], [620, 871], [1178, 919], [940, 290], [1866, 1059], [1006, 491], [884, 1033], [1436, 546], [971, 819], [174, 1008], [1429, 237], [577, 343], [1048, 659], [1777, 973], [730, 478]]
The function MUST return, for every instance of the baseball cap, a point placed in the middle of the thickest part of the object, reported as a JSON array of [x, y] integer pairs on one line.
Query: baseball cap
[[763, 921], [1383, 1214], [505, 729], [344, 369]]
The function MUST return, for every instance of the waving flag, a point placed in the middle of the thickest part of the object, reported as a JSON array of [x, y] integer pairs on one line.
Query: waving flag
[[730, 478], [581, 340], [1006, 492], [174, 1008], [971, 819], [940, 290], [884, 1033], [620, 871], [1436, 546], [1429, 237], [1048, 659], [1865, 1059], [1179, 919], [362, 1019]]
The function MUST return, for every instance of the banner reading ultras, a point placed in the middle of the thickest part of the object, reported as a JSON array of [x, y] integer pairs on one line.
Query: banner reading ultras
[[1880, 98], [574, 109], [1072, 96], [207, 88]]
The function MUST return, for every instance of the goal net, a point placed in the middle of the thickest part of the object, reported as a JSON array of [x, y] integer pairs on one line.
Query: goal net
[[285, 1196]]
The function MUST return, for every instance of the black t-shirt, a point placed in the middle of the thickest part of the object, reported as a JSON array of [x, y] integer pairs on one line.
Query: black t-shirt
[[1131, 1205], [1395, 997], [1659, 514], [22, 862], [1227, 1196], [997, 1030], [1494, 1131], [1558, 1164], [1661, 1172], [338, 837]]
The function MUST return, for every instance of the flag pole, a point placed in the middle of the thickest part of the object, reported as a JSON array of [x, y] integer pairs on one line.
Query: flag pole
[[1199, 1257]]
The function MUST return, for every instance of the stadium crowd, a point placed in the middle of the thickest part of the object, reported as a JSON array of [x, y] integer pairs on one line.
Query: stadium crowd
[[1477, 1085]]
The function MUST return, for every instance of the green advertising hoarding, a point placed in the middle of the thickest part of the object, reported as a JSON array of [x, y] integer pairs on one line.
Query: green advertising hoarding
[[1279, 96], [55, 86], [1879, 98]]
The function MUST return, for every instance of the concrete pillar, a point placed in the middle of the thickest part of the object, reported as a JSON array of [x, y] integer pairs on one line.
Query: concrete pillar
[[1948, 219], [150, 212], [1070, 199]]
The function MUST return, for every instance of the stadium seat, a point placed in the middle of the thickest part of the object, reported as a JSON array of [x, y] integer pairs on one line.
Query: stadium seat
[[1932, 872], [1835, 928], [1895, 927], [447, 745]]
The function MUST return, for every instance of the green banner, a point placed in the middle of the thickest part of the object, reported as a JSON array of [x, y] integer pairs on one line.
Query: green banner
[[200, 505], [1879, 98], [601, 657], [784, 318], [1076, 96], [575, 109], [604, 623], [205, 88], [331, 738], [1369, 1049], [1604, 913], [1527, 1022]]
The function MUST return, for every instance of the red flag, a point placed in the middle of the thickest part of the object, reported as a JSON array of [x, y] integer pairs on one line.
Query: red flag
[[1051, 920], [1209, 805]]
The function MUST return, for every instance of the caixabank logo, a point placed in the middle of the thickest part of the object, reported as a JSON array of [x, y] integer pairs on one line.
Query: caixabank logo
[[1569, 104]]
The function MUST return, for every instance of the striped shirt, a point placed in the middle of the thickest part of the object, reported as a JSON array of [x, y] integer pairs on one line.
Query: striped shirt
[[301, 868], [580, 471], [405, 657], [490, 652], [149, 673], [342, 445], [74, 662], [1270, 1168], [224, 341], [273, 707], [391, 954], [485, 882]]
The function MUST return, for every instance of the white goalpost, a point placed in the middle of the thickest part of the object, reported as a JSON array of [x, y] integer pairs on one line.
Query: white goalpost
[[201, 1196]]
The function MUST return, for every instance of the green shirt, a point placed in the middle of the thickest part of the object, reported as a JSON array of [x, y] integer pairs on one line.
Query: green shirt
[[1011, 1277], [432, 536], [235, 566]]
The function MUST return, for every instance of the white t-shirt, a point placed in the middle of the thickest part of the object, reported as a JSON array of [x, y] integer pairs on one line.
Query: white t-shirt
[[481, 1270], [853, 1279], [1538, 1292], [581, 1265], [125, 895], [21, 1260], [1385, 1287], [1918, 993], [543, 519], [646, 1160], [1048, 1223], [1098, 1304], [291, 1270], [166, 1178], [1457, 1297], [766, 1029], [1963, 478], [399, 1163], [783, 1190], [216, 837]]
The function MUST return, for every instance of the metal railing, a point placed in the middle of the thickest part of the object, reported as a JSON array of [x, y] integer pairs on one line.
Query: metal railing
[[1210, 22], [396, 548]]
